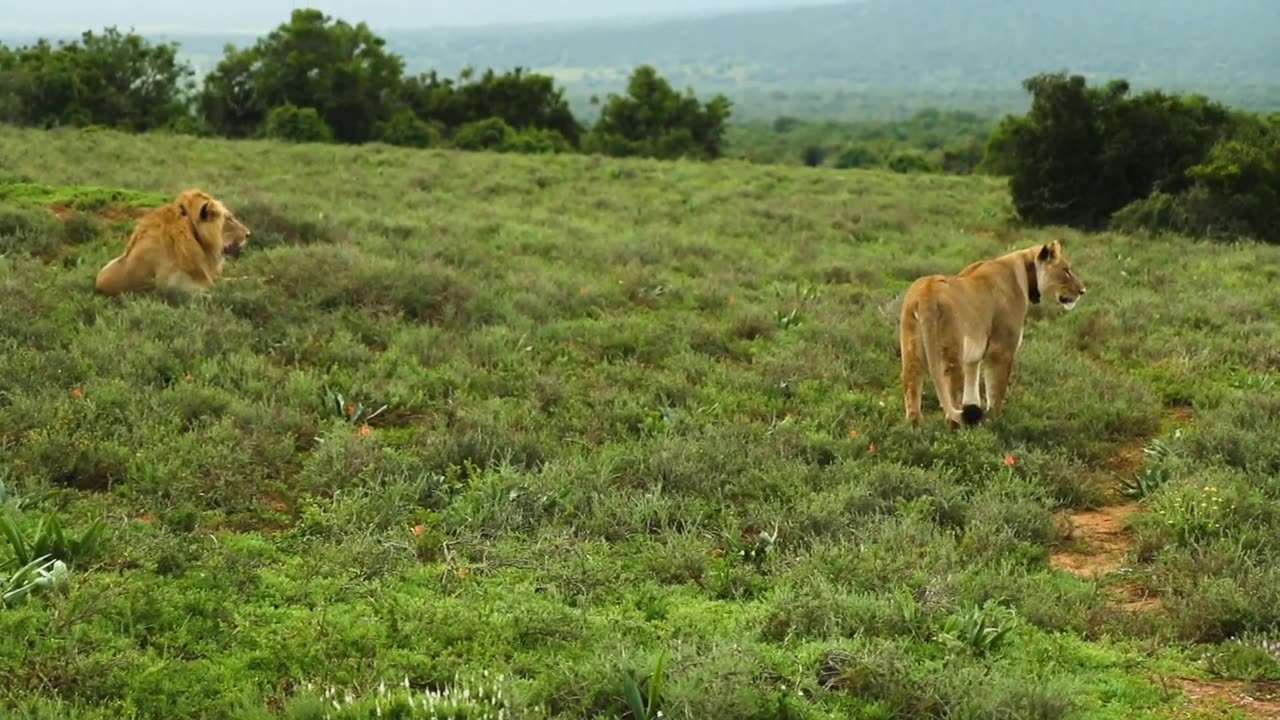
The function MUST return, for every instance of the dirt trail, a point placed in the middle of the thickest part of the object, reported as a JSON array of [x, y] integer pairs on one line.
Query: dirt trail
[[1095, 547], [1102, 534], [1255, 700], [1098, 541]]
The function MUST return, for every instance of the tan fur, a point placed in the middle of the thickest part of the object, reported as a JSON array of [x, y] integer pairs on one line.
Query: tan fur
[[955, 328], [180, 245]]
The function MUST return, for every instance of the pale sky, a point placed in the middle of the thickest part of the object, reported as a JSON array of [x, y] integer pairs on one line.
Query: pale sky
[[63, 16]]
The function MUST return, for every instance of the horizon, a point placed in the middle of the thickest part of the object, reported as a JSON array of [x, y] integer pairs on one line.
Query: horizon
[[256, 18]]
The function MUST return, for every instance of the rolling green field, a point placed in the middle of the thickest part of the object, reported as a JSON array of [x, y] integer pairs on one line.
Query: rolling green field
[[530, 429]]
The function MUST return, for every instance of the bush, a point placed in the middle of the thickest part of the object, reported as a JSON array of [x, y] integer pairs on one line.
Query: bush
[[857, 156], [489, 134], [813, 156], [295, 124], [406, 129], [1236, 194], [537, 141], [910, 162]]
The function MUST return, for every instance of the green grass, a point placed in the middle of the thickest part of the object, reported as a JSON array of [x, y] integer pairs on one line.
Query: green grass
[[81, 197], [633, 411]]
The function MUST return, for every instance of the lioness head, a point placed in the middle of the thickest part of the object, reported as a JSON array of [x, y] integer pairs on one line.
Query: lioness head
[[211, 219], [1055, 278]]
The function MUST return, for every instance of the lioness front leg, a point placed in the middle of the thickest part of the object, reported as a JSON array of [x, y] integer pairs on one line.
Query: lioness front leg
[[997, 368]]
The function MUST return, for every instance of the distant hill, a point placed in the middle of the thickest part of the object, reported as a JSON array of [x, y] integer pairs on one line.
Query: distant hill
[[905, 44], [880, 58], [941, 48]]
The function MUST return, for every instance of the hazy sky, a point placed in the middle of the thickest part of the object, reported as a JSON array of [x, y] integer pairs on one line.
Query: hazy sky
[[60, 16]]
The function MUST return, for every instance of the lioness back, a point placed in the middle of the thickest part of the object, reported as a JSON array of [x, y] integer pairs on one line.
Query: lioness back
[[965, 328]]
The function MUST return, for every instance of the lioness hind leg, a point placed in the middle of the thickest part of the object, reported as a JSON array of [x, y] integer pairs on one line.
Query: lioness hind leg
[[947, 379], [969, 401], [996, 371], [913, 372]]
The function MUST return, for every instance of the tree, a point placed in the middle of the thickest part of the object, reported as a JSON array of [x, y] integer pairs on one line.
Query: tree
[[653, 120], [343, 71], [1080, 153], [111, 78], [522, 100]]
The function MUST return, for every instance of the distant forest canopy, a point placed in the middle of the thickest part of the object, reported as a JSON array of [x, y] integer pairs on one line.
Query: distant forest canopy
[[875, 59]]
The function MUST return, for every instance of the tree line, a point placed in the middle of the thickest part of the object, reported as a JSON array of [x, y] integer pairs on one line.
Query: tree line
[[930, 140], [320, 79], [1104, 157]]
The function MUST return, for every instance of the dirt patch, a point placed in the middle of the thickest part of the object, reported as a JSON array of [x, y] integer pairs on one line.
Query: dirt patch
[[1101, 533], [1256, 700], [1126, 462], [276, 502], [1135, 598]]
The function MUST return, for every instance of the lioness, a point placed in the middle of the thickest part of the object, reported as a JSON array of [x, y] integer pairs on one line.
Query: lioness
[[957, 326], [179, 245]]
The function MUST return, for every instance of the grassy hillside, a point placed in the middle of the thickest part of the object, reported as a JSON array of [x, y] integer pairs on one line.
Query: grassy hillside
[[541, 425]]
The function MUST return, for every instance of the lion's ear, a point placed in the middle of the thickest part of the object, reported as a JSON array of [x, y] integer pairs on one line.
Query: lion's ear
[[204, 211], [182, 210], [1047, 253]]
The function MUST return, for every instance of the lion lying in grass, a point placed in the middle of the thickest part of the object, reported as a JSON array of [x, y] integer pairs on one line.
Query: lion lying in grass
[[958, 327], [180, 245]]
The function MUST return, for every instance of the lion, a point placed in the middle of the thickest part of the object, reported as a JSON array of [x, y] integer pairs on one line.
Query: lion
[[180, 245], [955, 327]]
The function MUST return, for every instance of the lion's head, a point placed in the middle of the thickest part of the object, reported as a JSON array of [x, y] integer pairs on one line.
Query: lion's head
[[211, 219], [235, 235], [1055, 277]]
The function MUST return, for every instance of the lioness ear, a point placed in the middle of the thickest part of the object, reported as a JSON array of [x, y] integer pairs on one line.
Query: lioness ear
[[182, 210], [1047, 253], [204, 211]]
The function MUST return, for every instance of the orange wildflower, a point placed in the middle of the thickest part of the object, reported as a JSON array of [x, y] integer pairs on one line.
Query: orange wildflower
[[1009, 460], [463, 573], [365, 430], [351, 409], [871, 448], [77, 393], [853, 434], [187, 377], [419, 529]]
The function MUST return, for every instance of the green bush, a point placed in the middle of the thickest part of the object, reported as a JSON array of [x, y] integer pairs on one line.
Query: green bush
[[295, 124], [488, 134], [536, 141], [406, 129]]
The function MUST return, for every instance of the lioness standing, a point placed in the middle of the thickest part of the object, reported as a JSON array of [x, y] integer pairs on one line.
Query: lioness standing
[[957, 326], [179, 245]]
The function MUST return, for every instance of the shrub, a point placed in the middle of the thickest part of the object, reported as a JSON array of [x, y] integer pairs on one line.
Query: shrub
[[405, 129], [536, 141], [294, 124], [488, 134]]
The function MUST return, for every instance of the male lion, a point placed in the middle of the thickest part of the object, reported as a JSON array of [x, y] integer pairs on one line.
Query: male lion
[[179, 245], [957, 326]]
